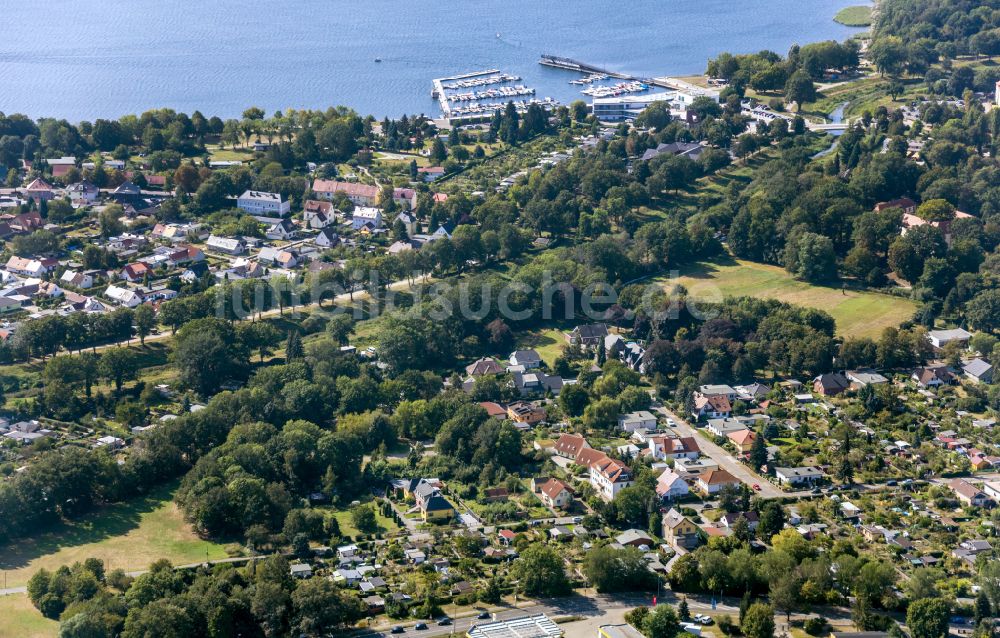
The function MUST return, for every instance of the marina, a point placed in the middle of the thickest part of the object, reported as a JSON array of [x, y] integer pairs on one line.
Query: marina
[[459, 104], [622, 88], [492, 94], [470, 83]]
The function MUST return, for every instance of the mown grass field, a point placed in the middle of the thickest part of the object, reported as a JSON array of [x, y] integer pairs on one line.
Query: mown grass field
[[126, 536], [856, 16], [857, 313], [20, 619]]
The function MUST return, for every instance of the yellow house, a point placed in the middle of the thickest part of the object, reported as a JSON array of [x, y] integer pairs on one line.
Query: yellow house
[[743, 440], [437, 509], [679, 531]]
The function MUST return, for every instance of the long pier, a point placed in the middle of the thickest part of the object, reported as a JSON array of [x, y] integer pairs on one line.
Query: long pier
[[580, 67]]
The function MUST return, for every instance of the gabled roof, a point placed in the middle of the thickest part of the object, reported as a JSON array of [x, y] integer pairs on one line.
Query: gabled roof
[[717, 477], [570, 444]]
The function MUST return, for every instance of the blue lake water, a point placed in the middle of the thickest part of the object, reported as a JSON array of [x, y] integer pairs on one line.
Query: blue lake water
[[83, 59]]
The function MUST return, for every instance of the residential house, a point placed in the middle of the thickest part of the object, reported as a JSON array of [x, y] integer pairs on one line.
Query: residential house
[[670, 486], [437, 509], [366, 216], [83, 193], [639, 419], [494, 410], [327, 238], [729, 519], [227, 245], [830, 384], [136, 272], [77, 279], [692, 468], [570, 445], [430, 173], [905, 204], [932, 375], [673, 447], [992, 489], [588, 336], [282, 230], [536, 383], [941, 338], [609, 476], [679, 531], [282, 258], [711, 481], [263, 204], [301, 570], [29, 267], [524, 412], [359, 194], [719, 390], [978, 371], [634, 538], [124, 297], [484, 366], [862, 378], [743, 440], [556, 494], [752, 393], [127, 193], [724, 427], [405, 198], [61, 165], [798, 475], [525, 359], [38, 190], [317, 215], [409, 222], [969, 493]]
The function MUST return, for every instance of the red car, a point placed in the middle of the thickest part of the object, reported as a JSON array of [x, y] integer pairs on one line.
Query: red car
[[756, 488]]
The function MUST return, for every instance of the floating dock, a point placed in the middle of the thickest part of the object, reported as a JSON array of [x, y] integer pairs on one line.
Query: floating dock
[[438, 90]]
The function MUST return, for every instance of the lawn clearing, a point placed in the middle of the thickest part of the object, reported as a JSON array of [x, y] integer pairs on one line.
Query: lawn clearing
[[857, 313], [128, 536], [856, 16], [548, 343], [386, 525], [22, 620]]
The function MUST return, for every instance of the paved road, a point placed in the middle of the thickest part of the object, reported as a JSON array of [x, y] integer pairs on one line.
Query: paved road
[[721, 456], [592, 609], [727, 461]]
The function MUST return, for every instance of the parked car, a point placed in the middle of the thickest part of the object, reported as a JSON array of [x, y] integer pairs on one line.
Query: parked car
[[444, 621], [397, 630], [420, 626], [756, 487]]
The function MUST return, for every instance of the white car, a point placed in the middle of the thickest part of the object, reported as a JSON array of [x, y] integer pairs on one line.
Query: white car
[[671, 423]]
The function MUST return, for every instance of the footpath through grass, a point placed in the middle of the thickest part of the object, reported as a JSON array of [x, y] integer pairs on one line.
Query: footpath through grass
[[126, 536], [858, 313]]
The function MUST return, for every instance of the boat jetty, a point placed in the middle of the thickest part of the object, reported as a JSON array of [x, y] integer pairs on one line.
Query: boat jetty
[[492, 94], [471, 83], [590, 79], [622, 88], [474, 96]]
